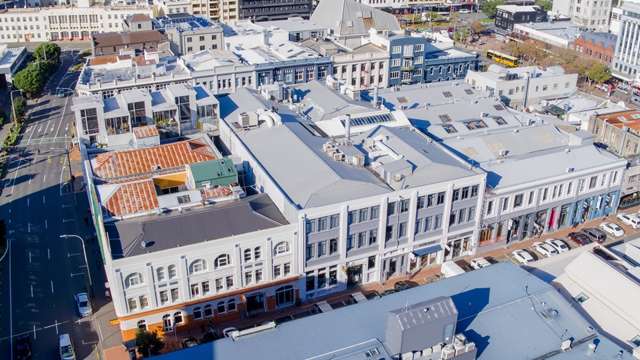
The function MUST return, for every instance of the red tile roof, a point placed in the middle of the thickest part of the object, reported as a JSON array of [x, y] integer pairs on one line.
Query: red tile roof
[[141, 163], [630, 119], [142, 132], [132, 198]]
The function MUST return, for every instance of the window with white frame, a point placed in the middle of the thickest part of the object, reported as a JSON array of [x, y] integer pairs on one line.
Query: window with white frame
[[396, 49], [257, 253], [281, 248], [197, 266], [247, 255], [132, 304], [171, 270], [164, 297], [160, 275], [222, 261], [133, 280]]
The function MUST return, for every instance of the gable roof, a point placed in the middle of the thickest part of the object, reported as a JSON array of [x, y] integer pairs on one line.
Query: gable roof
[[350, 18]]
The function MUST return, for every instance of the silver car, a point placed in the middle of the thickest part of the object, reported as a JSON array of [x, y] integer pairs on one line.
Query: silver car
[[83, 304]]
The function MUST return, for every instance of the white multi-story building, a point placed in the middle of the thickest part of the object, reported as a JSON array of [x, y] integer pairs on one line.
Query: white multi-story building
[[591, 14], [63, 22], [626, 61], [524, 86], [125, 120]]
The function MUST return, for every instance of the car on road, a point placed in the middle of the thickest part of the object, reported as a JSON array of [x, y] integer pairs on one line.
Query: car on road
[[189, 342], [66, 348], [558, 244], [632, 220], [522, 256], [595, 234], [22, 348], [388, 292], [82, 304], [544, 249], [464, 11], [579, 238], [612, 228], [479, 263]]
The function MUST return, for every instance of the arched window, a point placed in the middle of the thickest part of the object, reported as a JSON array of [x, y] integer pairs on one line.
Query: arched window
[[171, 269], [197, 313], [222, 260], [177, 318], [160, 275], [142, 325], [197, 266], [257, 253], [208, 310], [281, 248], [247, 255], [132, 280]]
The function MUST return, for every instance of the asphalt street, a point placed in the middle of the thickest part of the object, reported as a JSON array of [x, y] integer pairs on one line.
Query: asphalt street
[[41, 272]]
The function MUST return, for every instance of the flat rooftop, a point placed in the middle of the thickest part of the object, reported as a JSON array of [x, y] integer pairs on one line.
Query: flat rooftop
[[302, 160], [508, 156], [292, 24], [211, 59], [504, 310], [184, 22], [126, 38], [564, 30], [623, 119], [519, 8], [192, 226], [274, 52], [499, 73]]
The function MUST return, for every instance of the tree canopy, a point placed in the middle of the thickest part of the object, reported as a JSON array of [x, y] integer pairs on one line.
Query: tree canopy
[[490, 7], [546, 5], [598, 73], [47, 52], [31, 79], [148, 343]]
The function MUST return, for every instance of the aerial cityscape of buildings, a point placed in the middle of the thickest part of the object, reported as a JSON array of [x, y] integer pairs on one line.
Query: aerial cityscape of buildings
[[328, 179]]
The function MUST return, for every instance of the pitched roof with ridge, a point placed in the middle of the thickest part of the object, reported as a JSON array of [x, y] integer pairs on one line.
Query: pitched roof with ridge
[[141, 162], [350, 18]]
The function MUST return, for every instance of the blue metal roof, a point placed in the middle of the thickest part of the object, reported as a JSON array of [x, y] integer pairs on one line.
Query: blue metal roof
[[506, 311]]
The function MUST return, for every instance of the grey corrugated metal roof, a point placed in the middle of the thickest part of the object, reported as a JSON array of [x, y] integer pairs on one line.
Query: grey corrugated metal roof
[[424, 312], [506, 311], [163, 232], [350, 18]]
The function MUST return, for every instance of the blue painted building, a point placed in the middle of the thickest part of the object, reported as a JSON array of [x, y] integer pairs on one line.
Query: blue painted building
[[416, 59]]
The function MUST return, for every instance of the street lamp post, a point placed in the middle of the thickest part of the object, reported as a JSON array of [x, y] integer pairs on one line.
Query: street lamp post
[[13, 107], [84, 251]]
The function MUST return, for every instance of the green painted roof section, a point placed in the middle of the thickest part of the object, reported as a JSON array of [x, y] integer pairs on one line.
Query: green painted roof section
[[219, 172]]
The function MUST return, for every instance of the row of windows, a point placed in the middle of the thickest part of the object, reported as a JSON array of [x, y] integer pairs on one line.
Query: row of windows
[[323, 223], [207, 310], [427, 201], [321, 249], [321, 278], [362, 239], [429, 223], [362, 215], [467, 192], [462, 216]]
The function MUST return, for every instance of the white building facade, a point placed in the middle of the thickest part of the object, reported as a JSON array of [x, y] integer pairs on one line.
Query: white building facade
[[593, 15]]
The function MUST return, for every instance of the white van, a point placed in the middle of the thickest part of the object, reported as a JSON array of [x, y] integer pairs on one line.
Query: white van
[[66, 348]]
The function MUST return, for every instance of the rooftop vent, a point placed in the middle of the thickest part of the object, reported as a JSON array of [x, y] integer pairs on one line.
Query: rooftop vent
[[566, 345]]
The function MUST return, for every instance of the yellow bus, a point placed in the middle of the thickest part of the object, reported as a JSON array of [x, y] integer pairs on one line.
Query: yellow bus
[[504, 59]]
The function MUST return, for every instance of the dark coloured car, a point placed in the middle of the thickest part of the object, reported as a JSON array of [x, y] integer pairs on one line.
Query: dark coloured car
[[579, 238], [388, 292], [404, 285], [22, 348], [595, 234]]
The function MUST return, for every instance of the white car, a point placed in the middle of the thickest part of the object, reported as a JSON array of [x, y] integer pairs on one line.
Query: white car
[[632, 220], [65, 348], [545, 249], [522, 256], [83, 305], [464, 11], [479, 263], [558, 244], [612, 229]]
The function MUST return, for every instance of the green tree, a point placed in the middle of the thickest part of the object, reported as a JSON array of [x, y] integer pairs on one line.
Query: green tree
[[598, 73], [490, 7], [461, 35], [47, 52], [148, 343], [477, 27], [546, 5], [19, 105], [30, 79]]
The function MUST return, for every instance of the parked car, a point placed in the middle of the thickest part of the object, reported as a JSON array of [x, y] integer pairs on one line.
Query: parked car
[[404, 285], [22, 348], [82, 304], [189, 342], [632, 220], [479, 263], [66, 348], [464, 11], [545, 249], [579, 238], [388, 292], [558, 244], [612, 228], [596, 235], [226, 332], [522, 256]]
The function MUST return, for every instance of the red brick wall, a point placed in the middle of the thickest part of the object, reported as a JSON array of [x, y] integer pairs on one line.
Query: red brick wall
[[594, 50]]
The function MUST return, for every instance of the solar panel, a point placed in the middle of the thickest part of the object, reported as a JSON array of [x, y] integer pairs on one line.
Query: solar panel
[[370, 120]]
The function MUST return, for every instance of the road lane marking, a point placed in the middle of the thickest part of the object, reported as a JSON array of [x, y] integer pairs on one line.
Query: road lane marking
[[27, 202], [46, 224], [64, 110], [9, 241], [76, 274], [52, 291], [31, 290], [35, 334], [29, 257], [48, 254], [30, 178], [70, 255], [67, 220], [44, 177], [44, 200], [29, 227], [15, 175]]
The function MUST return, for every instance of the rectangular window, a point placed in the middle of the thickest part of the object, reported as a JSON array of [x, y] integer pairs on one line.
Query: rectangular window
[[89, 119], [518, 200], [461, 215], [286, 268], [592, 182], [248, 278], [133, 305], [373, 236], [505, 204], [418, 227], [421, 202], [388, 233], [144, 302], [174, 295], [229, 281], [440, 198], [472, 213], [276, 272], [430, 200], [334, 221], [349, 242], [402, 230], [322, 224], [530, 200], [456, 195], [364, 214], [195, 289], [258, 275], [437, 222], [164, 297], [333, 246], [465, 193], [352, 217], [391, 209], [375, 212], [219, 286], [309, 252], [333, 275], [322, 280], [474, 191], [404, 205], [545, 194], [322, 248]]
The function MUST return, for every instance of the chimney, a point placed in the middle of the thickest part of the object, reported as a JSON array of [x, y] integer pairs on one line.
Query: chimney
[[347, 127]]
